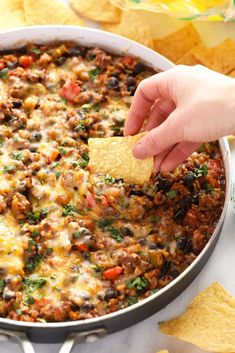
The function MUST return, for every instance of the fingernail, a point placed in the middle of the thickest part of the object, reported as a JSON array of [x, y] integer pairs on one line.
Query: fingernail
[[139, 151]]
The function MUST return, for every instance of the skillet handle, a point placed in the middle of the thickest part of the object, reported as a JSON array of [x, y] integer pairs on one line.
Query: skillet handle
[[84, 336], [21, 337]]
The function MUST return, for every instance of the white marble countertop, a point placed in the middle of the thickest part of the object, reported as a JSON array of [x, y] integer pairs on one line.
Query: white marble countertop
[[145, 337]]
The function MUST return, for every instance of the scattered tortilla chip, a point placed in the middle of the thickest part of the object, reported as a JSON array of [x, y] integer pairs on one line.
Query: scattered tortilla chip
[[231, 74], [209, 321], [192, 57], [132, 26], [163, 351], [178, 43], [113, 155], [223, 56], [50, 12], [12, 14], [101, 11]]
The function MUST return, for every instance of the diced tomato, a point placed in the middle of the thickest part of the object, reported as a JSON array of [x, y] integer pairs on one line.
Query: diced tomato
[[191, 219], [70, 90], [90, 201], [113, 273], [52, 155], [104, 201], [127, 60], [198, 241], [2, 65], [26, 60], [213, 182], [81, 247], [214, 166]]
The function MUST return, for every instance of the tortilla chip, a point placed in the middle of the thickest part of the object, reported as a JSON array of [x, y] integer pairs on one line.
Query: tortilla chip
[[209, 321], [232, 74], [178, 43], [163, 351], [193, 56], [113, 155], [12, 14], [50, 12], [101, 11], [223, 57], [132, 26]]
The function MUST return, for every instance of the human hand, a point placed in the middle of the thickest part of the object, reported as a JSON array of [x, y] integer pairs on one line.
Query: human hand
[[180, 108]]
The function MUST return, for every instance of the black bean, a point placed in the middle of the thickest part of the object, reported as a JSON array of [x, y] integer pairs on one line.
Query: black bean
[[119, 180], [133, 191], [188, 180], [186, 201], [185, 245], [165, 269], [60, 60], [142, 241], [83, 51], [12, 65], [126, 232], [196, 199], [153, 246], [138, 68], [87, 307], [113, 83], [35, 137], [131, 81], [22, 50], [163, 184], [75, 51], [17, 104], [8, 295], [101, 296], [33, 148], [111, 293]]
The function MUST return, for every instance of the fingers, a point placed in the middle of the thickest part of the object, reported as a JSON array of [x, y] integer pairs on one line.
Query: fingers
[[146, 94], [177, 155], [158, 159], [159, 113], [160, 138]]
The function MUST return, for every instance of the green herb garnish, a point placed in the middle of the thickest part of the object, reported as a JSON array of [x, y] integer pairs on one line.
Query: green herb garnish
[[109, 180], [33, 262], [17, 155], [200, 171], [69, 210], [94, 73], [9, 168], [57, 175], [1, 285], [30, 285], [171, 194], [62, 150], [82, 162], [54, 164], [35, 233], [116, 234], [29, 300], [36, 51], [1, 141], [139, 283], [106, 222], [77, 234], [4, 73], [132, 300]]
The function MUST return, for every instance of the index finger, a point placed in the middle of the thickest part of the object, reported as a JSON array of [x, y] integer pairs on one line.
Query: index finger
[[148, 91]]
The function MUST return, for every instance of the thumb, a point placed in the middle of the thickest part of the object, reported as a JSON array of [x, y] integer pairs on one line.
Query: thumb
[[157, 140]]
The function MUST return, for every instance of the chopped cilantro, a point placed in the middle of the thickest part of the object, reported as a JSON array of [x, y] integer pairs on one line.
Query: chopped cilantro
[[4, 73], [30, 284], [139, 283], [35, 233], [48, 251], [62, 150], [1, 141], [132, 300], [106, 222], [69, 210], [36, 51], [109, 180], [200, 171], [54, 164], [77, 234], [17, 155], [82, 162], [171, 194], [155, 219], [35, 216], [209, 187], [33, 262], [53, 276], [9, 168], [29, 300], [31, 243], [87, 107], [94, 73], [1, 285], [116, 234], [57, 175], [63, 100]]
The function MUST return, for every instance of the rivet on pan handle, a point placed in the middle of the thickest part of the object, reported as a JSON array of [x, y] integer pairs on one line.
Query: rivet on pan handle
[[21, 337], [84, 336]]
